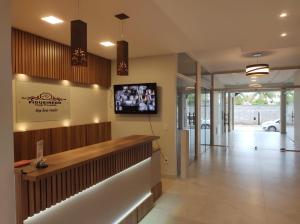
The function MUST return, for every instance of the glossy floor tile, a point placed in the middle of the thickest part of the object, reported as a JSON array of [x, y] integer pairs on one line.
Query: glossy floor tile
[[239, 185]]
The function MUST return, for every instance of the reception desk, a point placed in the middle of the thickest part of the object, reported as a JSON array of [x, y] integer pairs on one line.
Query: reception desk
[[80, 181]]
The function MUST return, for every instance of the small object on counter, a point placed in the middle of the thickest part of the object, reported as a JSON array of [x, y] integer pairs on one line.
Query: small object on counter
[[22, 163], [41, 165]]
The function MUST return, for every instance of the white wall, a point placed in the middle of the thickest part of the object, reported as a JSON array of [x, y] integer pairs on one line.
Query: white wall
[[162, 70], [88, 104], [7, 203]]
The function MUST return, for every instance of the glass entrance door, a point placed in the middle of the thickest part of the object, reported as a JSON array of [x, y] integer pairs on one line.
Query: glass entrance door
[[205, 118], [290, 116], [190, 118]]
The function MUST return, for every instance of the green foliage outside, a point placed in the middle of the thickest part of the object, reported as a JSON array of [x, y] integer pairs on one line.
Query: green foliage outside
[[290, 97], [257, 98], [191, 99], [262, 98]]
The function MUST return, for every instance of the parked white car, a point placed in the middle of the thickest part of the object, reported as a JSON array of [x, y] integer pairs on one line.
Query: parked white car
[[271, 125], [205, 124]]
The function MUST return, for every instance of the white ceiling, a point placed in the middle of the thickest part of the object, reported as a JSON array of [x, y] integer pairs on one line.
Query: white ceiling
[[219, 33], [275, 77]]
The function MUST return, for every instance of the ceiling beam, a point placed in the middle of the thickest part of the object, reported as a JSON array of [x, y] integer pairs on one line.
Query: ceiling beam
[[262, 89], [237, 72]]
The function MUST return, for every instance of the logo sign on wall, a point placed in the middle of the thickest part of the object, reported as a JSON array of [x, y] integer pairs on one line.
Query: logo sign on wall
[[42, 102]]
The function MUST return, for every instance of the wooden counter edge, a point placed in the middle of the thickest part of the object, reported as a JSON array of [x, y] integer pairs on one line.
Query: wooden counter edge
[[30, 177]]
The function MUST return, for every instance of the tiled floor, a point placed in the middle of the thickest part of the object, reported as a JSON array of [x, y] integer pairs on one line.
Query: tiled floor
[[235, 186]]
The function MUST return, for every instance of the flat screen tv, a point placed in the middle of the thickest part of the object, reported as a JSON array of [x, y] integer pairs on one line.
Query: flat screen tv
[[135, 98]]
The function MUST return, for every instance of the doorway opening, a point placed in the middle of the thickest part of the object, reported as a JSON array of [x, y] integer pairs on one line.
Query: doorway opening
[[257, 111], [257, 120]]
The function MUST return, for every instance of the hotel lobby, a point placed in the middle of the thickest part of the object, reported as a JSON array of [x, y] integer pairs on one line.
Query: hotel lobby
[[152, 112]]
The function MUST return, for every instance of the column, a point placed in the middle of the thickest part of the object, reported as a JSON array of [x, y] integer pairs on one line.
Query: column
[[7, 187], [283, 111]]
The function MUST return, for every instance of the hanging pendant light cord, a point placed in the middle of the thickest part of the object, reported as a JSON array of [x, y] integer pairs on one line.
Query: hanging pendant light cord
[[76, 11], [122, 29]]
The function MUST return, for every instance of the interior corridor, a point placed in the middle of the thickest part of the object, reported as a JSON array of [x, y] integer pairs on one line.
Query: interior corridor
[[234, 186]]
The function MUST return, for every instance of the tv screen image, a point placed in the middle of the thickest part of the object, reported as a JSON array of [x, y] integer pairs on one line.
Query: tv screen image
[[135, 98]]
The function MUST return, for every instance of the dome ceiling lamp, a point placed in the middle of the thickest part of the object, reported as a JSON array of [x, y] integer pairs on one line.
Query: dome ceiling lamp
[[78, 41], [257, 69], [122, 49]]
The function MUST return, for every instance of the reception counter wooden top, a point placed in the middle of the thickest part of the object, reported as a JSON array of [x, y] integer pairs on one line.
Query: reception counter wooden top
[[60, 161], [72, 171]]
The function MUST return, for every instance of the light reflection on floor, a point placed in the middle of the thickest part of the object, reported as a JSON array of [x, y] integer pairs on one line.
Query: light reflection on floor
[[249, 137], [239, 185]]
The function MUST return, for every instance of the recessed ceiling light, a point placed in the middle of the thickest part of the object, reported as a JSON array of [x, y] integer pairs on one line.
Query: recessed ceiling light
[[282, 15], [52, 20], [107, 43], [283, 34], [253, 80]]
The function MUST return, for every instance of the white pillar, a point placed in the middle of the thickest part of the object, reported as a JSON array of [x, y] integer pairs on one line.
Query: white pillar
[[7, 188]]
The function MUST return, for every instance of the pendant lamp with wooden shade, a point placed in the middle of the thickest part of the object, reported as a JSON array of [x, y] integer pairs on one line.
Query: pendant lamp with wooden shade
[[78, 41], [257, 70], [122, 49]]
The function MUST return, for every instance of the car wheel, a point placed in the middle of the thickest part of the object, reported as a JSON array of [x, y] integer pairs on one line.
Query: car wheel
[[203, 126], [272, 128], [207, 126]]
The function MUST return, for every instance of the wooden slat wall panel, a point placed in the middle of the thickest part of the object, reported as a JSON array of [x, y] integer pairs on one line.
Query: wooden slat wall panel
[[41, 194], [106, 69], [107, 80], [93, 133], [77, 136], [107, 134], [25, 143], [59, 139], [98, 133], [43, 58]]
